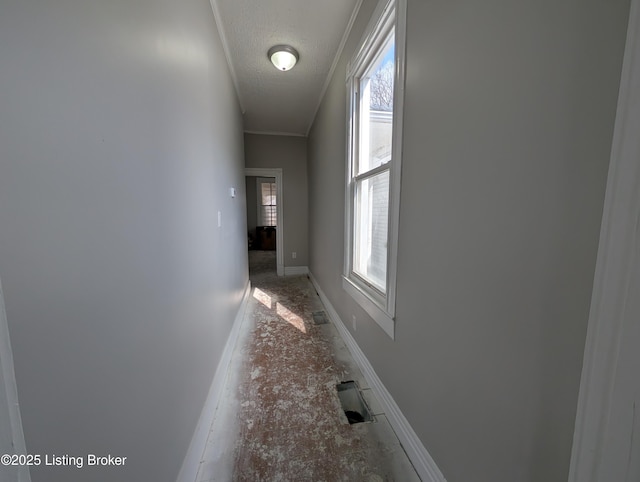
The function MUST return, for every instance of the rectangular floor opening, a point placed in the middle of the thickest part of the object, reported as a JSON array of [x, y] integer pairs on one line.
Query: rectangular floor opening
[[319, 317], [352, 403]]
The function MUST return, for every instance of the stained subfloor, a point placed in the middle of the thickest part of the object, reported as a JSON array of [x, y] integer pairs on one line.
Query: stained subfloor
[[281, 419]]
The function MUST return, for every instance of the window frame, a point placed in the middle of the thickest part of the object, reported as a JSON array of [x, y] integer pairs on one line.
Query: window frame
[[389, 15], [259, 182]]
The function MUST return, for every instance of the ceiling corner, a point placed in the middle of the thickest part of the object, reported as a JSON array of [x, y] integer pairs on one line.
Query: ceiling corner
[[336, 59], [227, 54]]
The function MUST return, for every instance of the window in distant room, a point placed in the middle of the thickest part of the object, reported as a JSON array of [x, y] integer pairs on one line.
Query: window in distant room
[[267, 202]]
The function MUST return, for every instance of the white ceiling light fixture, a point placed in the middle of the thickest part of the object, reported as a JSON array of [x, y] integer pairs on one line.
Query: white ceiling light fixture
[[284, 57]]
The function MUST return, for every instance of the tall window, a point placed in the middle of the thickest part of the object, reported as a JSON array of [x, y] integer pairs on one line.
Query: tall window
[[375, 85], [267, 203], [371, 169]]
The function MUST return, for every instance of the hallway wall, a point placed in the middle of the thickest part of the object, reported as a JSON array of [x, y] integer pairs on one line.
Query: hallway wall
[[290, 154], [509, 113], [120, 136]]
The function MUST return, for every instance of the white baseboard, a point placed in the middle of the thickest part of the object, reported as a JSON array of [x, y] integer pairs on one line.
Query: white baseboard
[[191, 463], [296, 270], [417, 453]]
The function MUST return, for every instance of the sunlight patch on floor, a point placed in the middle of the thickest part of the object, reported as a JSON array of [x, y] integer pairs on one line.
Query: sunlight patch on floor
[[262, 297], [290, 317]]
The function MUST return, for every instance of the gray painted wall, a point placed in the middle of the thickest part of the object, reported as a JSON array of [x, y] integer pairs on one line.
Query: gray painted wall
[[290, 154], [120, 136], [509, 115]]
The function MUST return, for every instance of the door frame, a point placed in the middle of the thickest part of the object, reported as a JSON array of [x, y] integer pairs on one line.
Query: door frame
[[611, 314], [10, 389], [277, 173]]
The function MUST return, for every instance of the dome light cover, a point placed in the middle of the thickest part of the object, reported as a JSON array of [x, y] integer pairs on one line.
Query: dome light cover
[[283, 57]]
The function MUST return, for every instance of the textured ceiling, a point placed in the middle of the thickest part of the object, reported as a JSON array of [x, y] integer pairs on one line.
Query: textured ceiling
[[274, 101]]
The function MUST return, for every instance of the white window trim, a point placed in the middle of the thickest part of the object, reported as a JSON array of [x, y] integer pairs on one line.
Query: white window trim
[[388, 13]]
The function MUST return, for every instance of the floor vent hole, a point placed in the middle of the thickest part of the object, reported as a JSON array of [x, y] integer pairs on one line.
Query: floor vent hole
[[353, 404], [319, 317]]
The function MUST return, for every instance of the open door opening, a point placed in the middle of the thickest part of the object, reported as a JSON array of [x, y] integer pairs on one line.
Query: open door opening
[[264, 221]]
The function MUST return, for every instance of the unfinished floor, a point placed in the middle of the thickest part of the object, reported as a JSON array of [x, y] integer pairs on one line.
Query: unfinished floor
[[281, 419]]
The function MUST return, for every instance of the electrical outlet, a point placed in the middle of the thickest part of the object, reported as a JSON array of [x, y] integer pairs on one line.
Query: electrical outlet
[[294, 254], [353, 322]]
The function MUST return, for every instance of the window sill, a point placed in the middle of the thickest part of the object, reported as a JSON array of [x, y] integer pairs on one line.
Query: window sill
[[380, 316]]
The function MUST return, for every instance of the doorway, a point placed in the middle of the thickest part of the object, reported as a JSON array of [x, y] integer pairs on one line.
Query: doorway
[[11, 434], [265, 224], [605, 441]]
